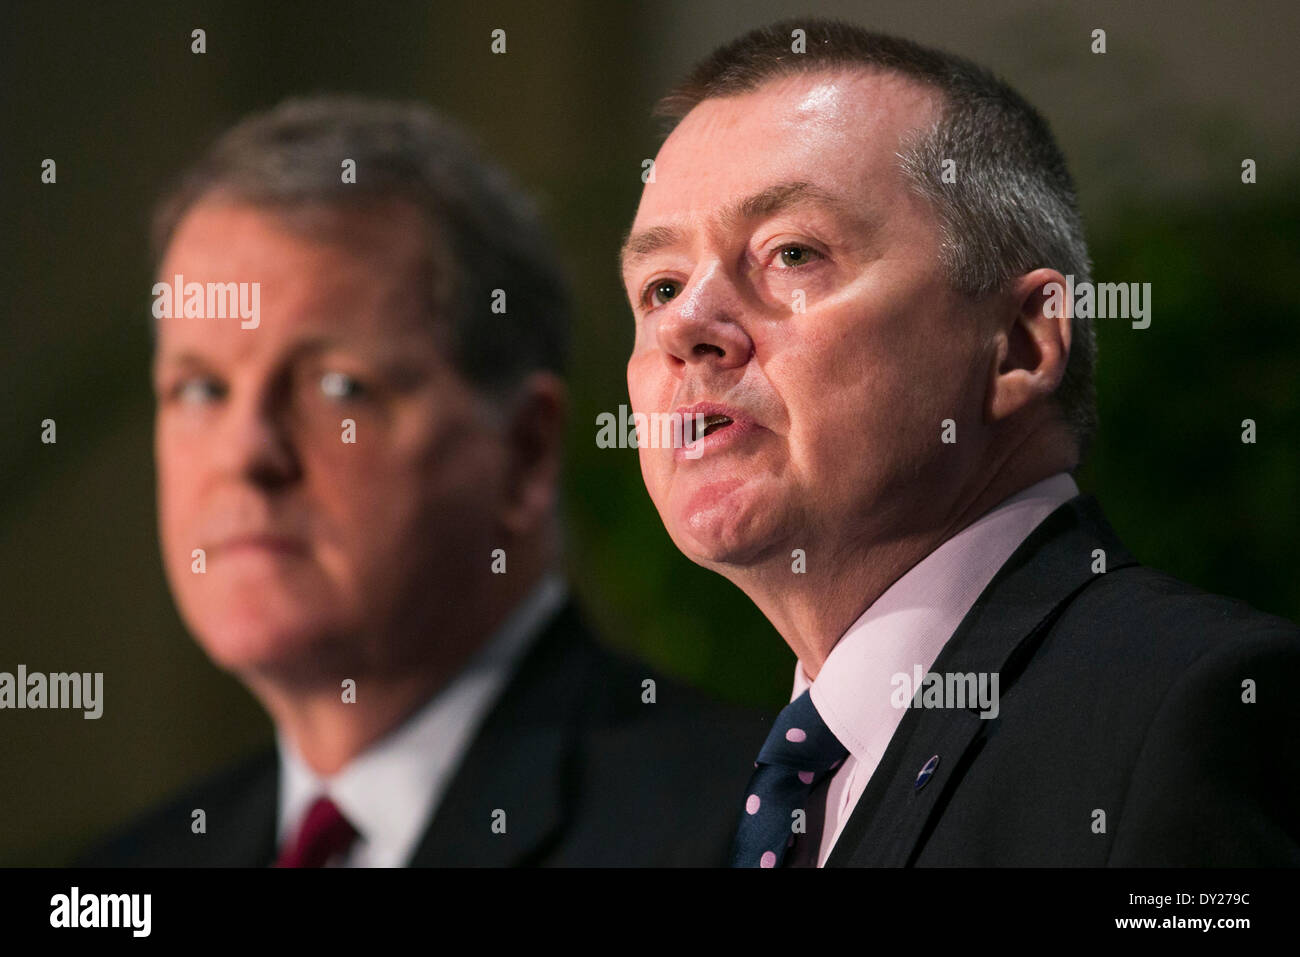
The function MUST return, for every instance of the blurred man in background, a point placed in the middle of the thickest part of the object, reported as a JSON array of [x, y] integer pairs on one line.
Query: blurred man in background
[[360, 336]]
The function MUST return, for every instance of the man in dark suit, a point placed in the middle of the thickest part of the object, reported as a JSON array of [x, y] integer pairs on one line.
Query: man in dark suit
[[851, 263], [360, 337]]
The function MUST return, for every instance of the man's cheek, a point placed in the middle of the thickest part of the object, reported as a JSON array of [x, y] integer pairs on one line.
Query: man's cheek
[[171, 524], [643, 337], [653, 473]]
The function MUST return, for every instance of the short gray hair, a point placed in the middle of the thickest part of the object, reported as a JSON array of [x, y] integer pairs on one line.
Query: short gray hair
[[487, 233], [1013, 207]]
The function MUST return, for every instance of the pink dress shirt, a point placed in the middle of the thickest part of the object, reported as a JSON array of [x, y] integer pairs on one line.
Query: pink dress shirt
[[907, 626]]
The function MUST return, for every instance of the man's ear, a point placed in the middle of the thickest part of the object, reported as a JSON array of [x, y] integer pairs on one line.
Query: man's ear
[[1032, 343], [533, 435]]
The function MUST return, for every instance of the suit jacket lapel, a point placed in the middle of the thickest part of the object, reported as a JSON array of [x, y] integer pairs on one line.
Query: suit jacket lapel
[[998, 635], [518, 763], [242, 820]]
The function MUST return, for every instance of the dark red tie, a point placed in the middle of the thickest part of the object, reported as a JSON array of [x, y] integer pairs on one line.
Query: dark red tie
[[324, 833]]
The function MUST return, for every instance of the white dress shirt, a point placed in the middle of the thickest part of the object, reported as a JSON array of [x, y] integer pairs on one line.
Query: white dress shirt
[[390, 791], [906, 626]]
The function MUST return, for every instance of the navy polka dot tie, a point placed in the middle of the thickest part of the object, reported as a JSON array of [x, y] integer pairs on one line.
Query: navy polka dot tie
[[798, 753]]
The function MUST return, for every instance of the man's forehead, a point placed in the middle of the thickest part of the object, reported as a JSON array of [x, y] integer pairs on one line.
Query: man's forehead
[[299, 328], [866, 106], [836, 132], [230, 233], [309, 287]]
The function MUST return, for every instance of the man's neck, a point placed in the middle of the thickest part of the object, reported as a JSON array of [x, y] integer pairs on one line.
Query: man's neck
[[812, 610], [329, 731]]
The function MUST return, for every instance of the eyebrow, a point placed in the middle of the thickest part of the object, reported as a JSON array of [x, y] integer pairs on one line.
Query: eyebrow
[[307, 348], [177, 359], [767, 202], [384, 355], [638, 246]]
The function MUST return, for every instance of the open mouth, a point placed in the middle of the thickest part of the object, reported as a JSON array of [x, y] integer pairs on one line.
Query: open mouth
[[711, 423]]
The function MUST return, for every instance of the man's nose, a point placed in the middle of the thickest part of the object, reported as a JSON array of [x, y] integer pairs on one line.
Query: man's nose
[[257, 444], [703, 324]]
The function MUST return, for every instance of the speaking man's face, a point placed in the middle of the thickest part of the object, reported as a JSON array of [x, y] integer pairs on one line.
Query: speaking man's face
[[329, 462], [786, 283]]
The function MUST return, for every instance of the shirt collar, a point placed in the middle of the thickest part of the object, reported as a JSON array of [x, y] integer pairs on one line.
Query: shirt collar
[[390, 791], [911, 621]]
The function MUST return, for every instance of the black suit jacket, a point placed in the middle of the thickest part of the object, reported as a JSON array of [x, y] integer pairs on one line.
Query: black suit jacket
[[1122, 737], [586, 772]]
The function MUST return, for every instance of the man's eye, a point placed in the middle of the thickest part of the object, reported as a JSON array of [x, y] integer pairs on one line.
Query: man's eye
[[793, 256], [197, 391], [661, 290], [340, 385]]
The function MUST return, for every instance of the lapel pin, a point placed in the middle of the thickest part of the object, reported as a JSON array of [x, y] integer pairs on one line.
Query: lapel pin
[[926, 772]]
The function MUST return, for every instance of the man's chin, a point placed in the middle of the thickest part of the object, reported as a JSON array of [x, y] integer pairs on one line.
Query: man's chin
[[720, 523], [721, 542], [274, 650]]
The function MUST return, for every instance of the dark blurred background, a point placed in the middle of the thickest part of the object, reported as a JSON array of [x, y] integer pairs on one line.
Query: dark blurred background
[[1156, 130]]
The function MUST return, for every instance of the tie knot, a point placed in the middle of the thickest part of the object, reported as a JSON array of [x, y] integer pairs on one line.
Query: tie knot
[[800, 739], [324, 832]]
